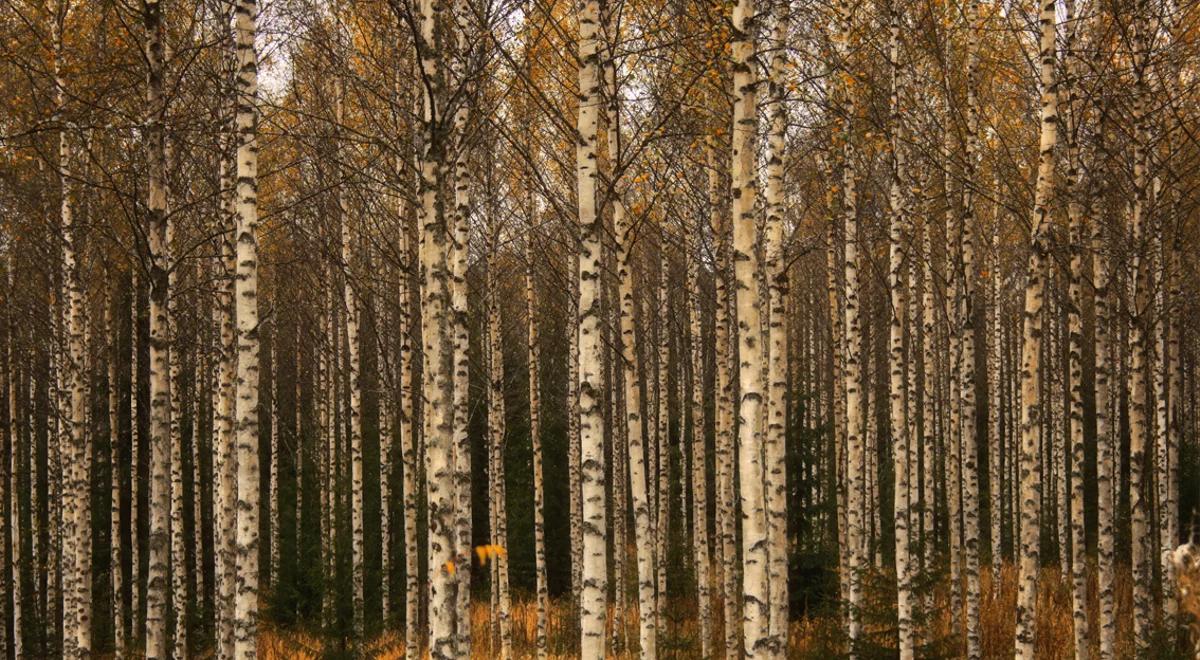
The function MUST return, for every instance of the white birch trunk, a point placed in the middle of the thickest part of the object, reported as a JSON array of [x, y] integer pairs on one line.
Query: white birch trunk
[[460, 239], [755, 614], [14, 463], [897, 392], [273, 492], [701, 532], [246, 304], [160, 434], [776, 269], [114, 491], [178, 569], [970, 497], [410, 483], [535, 437], [497, 440], [636, 451], [1139, 322], [135, 394], [853, 348], [1031, 341], [591, 415], [1105, 445], [438, 350], [1075, 212]]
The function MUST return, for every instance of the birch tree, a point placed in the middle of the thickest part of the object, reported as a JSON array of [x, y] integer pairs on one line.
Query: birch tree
[[245, 14], [1031, 340], [591, 416]]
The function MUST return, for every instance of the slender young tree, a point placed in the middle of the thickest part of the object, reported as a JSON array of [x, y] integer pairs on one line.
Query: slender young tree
[[701, 531], [535, 438], [897, 393], [178, 569]]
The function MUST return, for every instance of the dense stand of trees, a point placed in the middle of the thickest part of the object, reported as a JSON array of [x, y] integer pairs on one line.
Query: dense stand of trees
[[661, 326]]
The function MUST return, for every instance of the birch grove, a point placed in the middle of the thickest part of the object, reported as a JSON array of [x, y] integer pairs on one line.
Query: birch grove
[[593, 329]]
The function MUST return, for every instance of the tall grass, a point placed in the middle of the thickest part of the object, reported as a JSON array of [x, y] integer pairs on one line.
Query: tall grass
[[941, 635]]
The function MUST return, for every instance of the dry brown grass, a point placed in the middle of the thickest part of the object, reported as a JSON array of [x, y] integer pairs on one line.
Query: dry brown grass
[[808, 637]]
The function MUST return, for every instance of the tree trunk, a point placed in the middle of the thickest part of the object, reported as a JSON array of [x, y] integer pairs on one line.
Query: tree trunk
[[497, 440], [591, 413], [1105, 444], [178, 570], [1139, 431], [776, 269], [224, 452], [636, 451], [662, 434], [1075, 213], [410, 483], [135, 394], [897, 394], [755, 615], [438, 339], [701, 531], [246, 301], [273, 492], [160, 394], [966, 311], [853, 348], [535, 439], [460, 240], [1031, 342]]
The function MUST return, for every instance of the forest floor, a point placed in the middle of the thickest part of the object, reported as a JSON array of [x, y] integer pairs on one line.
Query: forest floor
[[819, 636]]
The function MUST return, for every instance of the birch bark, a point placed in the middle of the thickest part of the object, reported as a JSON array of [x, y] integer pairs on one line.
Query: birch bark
[[1031, 341], [245, 14]]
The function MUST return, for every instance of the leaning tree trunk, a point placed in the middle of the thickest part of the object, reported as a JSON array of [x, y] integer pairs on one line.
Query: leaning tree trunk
[[246, 301], [1031, 342]]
